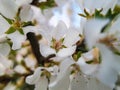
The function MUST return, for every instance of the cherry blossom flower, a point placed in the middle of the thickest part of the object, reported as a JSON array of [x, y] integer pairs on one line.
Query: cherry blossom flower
[[5, 66], [61, 41], [42, 77], [14, 21]]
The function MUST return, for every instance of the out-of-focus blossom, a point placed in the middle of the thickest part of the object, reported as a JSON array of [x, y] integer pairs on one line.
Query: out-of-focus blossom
[[5, 66], [105, 41], [10, 86], [91, 5]]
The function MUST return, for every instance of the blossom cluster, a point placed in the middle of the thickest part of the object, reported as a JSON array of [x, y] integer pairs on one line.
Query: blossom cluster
[[59, 44]]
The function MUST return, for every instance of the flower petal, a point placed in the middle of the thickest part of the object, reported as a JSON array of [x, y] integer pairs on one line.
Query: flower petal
[[88, 69], [71, 38], [42, 84], [26, 13], [92, 32], [79, 82], [4, 64], [46, 50], [22, 2], [65, 52], [62, 82], [94, 84], [33, 79], [17, 42], [59, 31], [8, 8], [114, 28], [109, 68], [4, 49]]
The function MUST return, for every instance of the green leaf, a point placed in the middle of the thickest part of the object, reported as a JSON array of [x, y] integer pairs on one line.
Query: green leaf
[[89, 62], [21, 31], [29, 23], [47, 4], [117, 9], [86, 12], [10, 21], [98, 14], [10, 30], [82, 15]]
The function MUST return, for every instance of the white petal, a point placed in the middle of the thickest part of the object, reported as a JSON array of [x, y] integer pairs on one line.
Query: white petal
[[92, 32], [109, 68], [108, 77], [71, 38], [2, 69], [62, 84], [4, 25], [22, 2], [7, 63], [94, 84], [88, 69], [3, 38], [20, 69], [4, 64], [8, 8], [4, 49], [114, 28], [89, 55], [59, 31], [79, 82], [30, 62], [10, 86], [42, 84], [46, 50], [33, 79], [65, 52], [17, 39], [26, 13], [54, 21], [64, 67], [30, 29], [63, 79], [63, 74]]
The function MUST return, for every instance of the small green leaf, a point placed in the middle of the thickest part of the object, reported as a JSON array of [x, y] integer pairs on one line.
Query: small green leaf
[[86, 12], [10, 21], [21, 31], [89, 62], [82, 15], [79, 54], [47, 4], [29, 23], [10, 30], [98, 14]]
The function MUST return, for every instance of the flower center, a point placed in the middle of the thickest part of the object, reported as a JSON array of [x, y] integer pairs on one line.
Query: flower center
[[112, 42], [57, 44], [17, 24]]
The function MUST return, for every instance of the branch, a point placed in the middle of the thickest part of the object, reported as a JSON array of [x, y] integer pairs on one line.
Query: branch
[[35, 48]]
